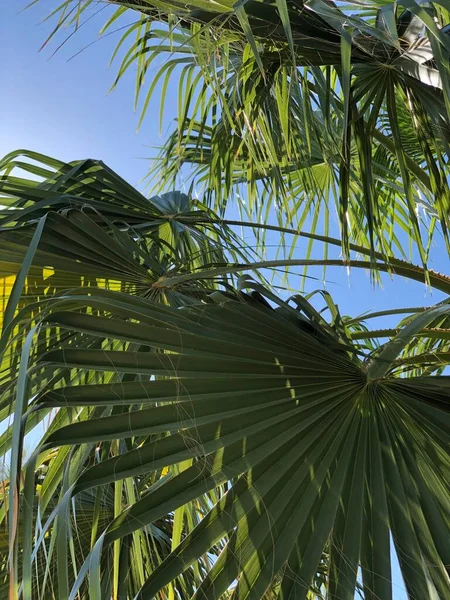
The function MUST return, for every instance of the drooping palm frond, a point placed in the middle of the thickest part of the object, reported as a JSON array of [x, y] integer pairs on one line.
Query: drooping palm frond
[[305, 104], [89, 185], [118, 237]]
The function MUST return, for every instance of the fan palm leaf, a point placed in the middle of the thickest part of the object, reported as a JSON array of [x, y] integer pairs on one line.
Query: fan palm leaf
[[320, 448]]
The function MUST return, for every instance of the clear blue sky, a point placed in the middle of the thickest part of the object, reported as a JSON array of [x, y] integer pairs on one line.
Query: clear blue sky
[[61, 107]]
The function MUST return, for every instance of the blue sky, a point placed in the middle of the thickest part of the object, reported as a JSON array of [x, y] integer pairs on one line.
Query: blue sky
[[61, 107]]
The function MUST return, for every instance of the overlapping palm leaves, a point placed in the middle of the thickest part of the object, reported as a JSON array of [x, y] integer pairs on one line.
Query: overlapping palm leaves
[[304, 103], [68, 230], [226, 419], [212, 439], [322, 450]]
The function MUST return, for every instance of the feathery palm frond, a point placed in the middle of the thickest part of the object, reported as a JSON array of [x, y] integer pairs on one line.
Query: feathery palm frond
[[305, 103]]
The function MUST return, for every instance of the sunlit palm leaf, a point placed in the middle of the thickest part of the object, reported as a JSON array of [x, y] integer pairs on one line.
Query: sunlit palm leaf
[[267, 92]]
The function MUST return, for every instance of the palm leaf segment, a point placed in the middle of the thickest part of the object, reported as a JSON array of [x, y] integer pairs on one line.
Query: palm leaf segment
[[30, 191], [314, 101], [64, 226], [321, 451]]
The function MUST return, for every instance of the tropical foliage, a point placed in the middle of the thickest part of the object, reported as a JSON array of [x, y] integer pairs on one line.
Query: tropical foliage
[[288, 105], [203, 437], [199, 432]]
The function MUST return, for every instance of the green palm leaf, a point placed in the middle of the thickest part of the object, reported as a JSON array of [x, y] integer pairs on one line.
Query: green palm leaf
[[316, 454]]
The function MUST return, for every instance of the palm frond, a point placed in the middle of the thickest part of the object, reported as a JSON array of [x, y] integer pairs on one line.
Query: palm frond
[[273, 108], [320, 448]]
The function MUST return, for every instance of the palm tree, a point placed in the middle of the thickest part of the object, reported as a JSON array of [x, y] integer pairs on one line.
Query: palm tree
[[203, 436], [208, 438], [294, 105]]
